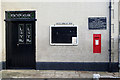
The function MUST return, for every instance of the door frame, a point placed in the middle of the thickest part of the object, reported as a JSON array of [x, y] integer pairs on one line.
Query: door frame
[[6, 36]]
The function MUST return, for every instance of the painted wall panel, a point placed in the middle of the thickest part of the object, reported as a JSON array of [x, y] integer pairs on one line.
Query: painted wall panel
[[50, 13]]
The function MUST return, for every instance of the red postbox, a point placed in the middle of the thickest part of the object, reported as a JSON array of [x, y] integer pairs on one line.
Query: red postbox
[[96, 43]]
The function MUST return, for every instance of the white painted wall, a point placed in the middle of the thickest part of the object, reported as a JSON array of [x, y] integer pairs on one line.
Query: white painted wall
[[49, 13], [115, 31], [0, 39], [58, 0]]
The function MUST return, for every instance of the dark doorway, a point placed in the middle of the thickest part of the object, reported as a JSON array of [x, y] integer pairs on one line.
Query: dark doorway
[[20, 40]]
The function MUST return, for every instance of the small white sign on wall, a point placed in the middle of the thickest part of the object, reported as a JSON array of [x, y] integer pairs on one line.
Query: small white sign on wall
[[74, 40], [96, 42]]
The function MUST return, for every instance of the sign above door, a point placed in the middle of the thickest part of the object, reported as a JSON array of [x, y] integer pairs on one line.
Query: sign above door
[[20, 15]]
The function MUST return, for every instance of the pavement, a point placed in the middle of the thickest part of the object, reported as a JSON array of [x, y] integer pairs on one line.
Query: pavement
[[53, 74]]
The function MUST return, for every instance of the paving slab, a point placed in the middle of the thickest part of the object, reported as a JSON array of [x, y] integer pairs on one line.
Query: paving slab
[[53, 74]]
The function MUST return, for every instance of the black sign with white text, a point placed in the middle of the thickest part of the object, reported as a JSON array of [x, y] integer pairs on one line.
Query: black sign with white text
[[96, 23], [20, 14]]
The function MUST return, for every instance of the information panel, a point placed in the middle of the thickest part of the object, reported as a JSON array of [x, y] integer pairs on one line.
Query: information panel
[[96, 23], [64, 34]]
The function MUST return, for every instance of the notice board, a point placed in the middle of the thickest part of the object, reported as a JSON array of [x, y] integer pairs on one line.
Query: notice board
[[97, 23]]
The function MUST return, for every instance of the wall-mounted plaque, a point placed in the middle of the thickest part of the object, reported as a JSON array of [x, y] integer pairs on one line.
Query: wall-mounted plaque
[[96, 23]]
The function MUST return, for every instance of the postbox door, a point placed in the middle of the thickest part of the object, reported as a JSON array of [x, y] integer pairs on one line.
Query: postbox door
[[96, 43], [20, 42]]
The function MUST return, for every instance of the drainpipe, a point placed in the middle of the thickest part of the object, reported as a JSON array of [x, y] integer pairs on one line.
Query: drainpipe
[[110, 36], [119, 51]]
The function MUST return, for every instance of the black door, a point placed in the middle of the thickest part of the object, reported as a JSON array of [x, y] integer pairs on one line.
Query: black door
[[20, 44]]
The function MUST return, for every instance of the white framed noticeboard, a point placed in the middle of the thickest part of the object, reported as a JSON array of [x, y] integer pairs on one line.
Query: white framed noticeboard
[[63, 35]]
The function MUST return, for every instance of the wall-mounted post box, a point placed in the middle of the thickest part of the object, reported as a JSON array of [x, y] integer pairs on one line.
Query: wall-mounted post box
[[96, 43]]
